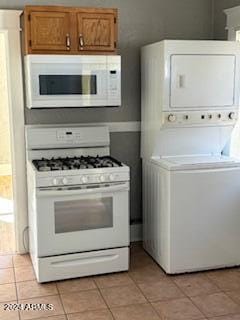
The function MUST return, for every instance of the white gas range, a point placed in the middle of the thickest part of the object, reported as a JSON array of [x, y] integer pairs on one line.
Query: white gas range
[[78, 203]]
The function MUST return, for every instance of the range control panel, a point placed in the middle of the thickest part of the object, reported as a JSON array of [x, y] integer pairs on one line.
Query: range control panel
[[192, 118], [68, 135], [82, 179]]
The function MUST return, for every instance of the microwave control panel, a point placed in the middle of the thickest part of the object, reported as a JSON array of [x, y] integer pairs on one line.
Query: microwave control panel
[[113, 80]]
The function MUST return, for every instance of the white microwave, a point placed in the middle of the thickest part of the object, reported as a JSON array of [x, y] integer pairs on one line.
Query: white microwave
[[59, 81]]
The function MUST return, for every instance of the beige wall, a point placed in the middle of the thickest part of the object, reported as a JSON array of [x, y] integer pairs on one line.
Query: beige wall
[[5, 157]]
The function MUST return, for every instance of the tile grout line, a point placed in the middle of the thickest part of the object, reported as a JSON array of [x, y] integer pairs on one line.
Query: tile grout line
[[108, 307], [229, 314], [204, 317], [226, 293], [15, 284], [48, 317], [37, 297], [220, 291], [135, 304], [99, 289], [185, 296], [215, 283], [212, 281], [226, 315], [136, 285], [142, 303], [172, 281], [60, 298]]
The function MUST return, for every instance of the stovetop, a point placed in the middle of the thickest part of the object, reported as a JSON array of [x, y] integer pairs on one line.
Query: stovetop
[[74, 163]]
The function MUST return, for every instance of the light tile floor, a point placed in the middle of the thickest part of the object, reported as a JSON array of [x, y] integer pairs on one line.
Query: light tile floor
[[143, 293]]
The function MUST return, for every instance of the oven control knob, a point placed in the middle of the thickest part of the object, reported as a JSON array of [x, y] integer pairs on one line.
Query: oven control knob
[[111, 177], [231, 115], [171, 118], [84, 179], [54, 182], [64, 180], [102, 178]]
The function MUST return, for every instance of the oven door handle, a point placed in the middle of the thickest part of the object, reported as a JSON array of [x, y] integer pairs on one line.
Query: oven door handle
[[85, 191]]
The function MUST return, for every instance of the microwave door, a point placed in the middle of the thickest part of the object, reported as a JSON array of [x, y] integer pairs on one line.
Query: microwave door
[[69, 88], [84, 89], [75, 84]]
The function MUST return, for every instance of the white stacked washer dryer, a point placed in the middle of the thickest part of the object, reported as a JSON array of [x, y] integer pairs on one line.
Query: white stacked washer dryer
[[191, 191]]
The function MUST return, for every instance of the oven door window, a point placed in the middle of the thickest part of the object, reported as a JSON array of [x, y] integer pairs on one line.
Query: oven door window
[[85, 214], [58, 84]]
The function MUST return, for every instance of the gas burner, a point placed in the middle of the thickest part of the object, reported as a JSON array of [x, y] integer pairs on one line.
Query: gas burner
[[76, 163]]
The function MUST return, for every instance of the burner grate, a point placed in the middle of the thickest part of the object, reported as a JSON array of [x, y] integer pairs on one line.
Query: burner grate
[[76, 163]]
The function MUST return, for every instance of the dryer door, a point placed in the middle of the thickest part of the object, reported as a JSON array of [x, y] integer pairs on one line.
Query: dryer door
[[202, 81]]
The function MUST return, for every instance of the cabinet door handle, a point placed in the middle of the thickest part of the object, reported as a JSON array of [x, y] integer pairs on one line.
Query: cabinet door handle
[[81, 42], [68, 41]]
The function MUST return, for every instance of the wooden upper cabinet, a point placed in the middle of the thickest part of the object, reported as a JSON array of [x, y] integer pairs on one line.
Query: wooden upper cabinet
[[52, 29], [96, 32]]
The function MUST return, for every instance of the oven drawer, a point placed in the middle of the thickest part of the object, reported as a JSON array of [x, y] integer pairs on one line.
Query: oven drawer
[[81, 264]]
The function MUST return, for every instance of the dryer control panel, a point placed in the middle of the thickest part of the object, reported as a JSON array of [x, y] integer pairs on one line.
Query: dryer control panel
[[199, 118]]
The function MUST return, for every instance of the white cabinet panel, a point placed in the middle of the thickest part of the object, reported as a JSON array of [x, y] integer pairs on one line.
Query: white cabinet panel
[[202, 81]]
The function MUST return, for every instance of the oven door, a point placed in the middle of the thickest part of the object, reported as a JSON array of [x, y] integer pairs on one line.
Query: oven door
[[77, 218]]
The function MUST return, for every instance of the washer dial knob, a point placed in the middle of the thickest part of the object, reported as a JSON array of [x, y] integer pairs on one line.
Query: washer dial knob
[[171, 117], [232, 115], [54, 182]]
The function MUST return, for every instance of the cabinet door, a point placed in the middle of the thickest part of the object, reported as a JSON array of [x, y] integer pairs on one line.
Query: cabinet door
[[50, 31], [96, 32], [202, 81]]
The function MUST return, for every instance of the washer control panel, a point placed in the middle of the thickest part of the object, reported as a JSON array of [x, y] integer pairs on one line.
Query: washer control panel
[[193, 118]]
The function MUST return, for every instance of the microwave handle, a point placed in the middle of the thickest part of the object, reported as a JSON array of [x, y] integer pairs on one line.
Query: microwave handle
[[68, 41], [81, 41], [62, 193]]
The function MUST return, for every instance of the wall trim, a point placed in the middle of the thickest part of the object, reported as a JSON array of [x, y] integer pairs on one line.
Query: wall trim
[[136, 232], [233, 22], [126, 126], [9, 19], [10, 27]]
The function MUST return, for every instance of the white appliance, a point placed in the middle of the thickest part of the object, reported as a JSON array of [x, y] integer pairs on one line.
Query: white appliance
[[191, 192], [78, 203], [72, 81]]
